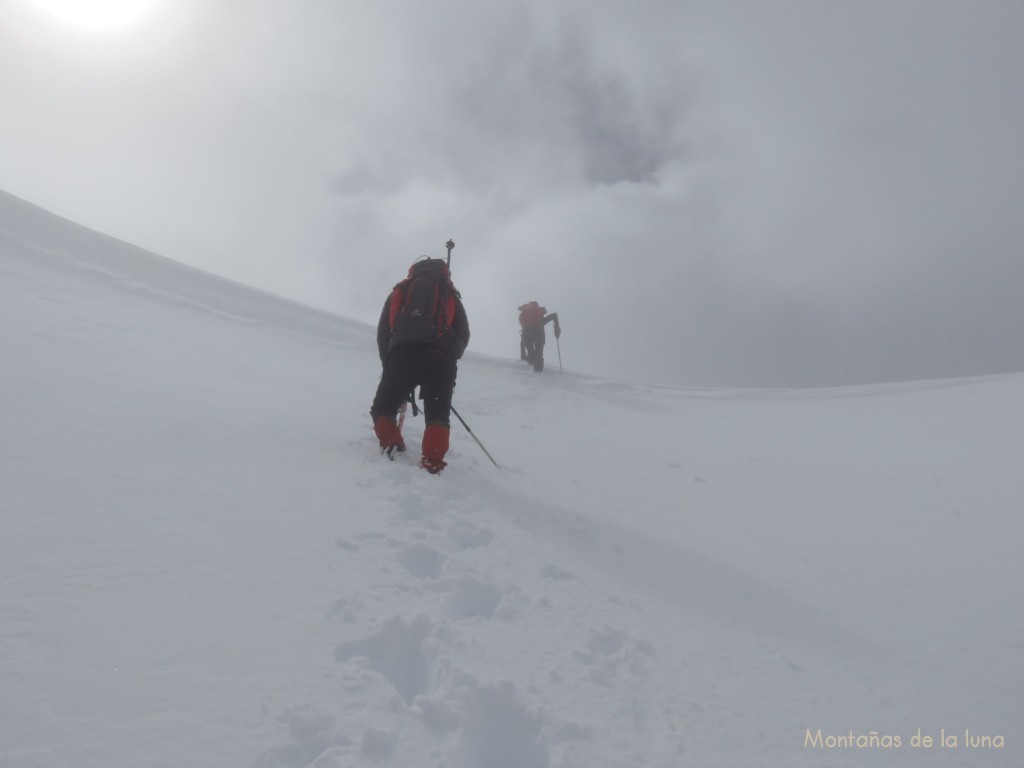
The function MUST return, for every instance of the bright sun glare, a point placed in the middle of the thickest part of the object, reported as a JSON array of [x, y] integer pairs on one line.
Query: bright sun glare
[[95, 15]]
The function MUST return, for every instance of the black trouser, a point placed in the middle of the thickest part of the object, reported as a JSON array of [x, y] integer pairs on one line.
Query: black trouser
[[431, 369], [533, 345]]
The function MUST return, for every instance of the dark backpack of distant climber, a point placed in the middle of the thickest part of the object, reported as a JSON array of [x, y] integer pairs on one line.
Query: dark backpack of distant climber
[[532, 319], [422, 332]]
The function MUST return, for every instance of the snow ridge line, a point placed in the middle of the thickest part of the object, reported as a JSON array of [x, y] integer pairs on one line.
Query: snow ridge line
[[251, 303]]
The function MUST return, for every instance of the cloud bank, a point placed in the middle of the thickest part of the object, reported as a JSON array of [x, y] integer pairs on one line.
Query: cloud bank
[[793, 194]]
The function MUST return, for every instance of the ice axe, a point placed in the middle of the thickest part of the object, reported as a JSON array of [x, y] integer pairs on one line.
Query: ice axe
[[449, 245], [405, 404]]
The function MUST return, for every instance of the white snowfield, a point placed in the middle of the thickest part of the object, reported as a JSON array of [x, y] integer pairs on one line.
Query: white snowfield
[[205, 562]]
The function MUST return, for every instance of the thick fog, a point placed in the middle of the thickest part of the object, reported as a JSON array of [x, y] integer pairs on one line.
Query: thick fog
[[721, 194]]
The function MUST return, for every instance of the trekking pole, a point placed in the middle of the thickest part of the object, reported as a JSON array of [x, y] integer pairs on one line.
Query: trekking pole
[[474, 437], [449, 245], [558, 345]]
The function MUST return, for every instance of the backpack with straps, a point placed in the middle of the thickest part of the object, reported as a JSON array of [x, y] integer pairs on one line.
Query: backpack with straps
[[531, 315], [422, 306]]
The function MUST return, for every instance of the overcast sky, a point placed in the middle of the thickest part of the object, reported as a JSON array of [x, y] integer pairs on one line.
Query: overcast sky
[[711, 193]]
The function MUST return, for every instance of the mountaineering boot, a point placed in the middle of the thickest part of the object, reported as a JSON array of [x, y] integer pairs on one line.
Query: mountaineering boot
[[435, 446], [391, 442]]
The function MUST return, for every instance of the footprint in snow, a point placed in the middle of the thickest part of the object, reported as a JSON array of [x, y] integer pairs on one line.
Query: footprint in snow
[[500, 731], [398, 652], [312, 733], [412, 507], [612, 652], [466, 535], [422, 561], [471, 598]]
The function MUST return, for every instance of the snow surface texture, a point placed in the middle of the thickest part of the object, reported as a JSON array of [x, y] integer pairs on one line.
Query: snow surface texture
[[204, 561]]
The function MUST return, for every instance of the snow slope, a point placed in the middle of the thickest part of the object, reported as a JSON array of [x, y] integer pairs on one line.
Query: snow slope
[[205, 562]]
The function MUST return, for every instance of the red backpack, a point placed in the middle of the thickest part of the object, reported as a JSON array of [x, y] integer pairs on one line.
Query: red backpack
[[531, 315], [422, 306]]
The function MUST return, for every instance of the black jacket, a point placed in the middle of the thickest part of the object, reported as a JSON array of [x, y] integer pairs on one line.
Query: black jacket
[[537, 331]]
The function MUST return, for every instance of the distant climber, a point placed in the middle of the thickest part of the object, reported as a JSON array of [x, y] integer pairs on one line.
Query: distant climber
[[532, 319]]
